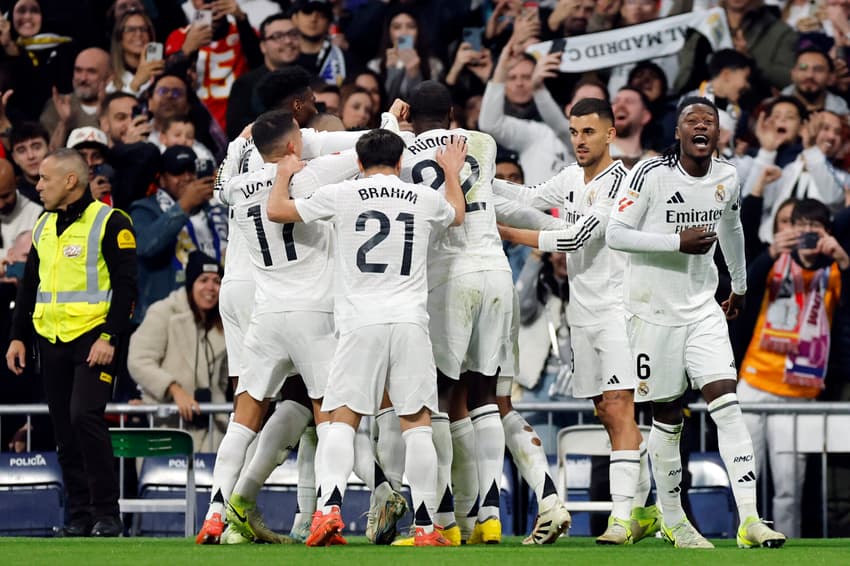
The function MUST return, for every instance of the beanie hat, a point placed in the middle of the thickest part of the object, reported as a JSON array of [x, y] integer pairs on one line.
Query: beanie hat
[[198, 264]]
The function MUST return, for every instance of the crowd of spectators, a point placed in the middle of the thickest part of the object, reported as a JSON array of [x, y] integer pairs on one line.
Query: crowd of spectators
[[150, 91]]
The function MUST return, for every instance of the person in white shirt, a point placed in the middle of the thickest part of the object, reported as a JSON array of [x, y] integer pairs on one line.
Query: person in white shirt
[[382, 229], [586, 191], [236, 306], [668, 217], [17, 214], [542, 146], [291, 327], [470, 303]]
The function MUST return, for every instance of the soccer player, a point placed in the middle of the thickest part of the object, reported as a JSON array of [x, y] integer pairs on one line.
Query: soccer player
[[382, 229], [237, 296], [470, 303], [586, 190], [668, 217], [291, 327]]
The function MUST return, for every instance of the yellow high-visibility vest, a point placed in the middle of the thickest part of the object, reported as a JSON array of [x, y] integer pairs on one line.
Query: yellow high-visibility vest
[[74, 290]]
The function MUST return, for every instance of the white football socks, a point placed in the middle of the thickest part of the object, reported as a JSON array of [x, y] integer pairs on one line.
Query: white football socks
[[529, 455], [442, 435], [623, 476], [644, 484], [464, 474], [667, 469], [336, 451], [490, 455], [306, 463], [421, 468], [228, 462], [736, 450], [364, 457], [274, 443], [390, 447]]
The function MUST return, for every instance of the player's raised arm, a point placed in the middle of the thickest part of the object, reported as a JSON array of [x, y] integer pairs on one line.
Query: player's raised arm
[[543, 196], [451, 159], [281, 208]]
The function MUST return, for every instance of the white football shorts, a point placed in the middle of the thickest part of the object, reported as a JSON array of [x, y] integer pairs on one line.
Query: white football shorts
[[602, 358], [235, 303], [280, 344], [471, 323], [671, 358], [368, 359]]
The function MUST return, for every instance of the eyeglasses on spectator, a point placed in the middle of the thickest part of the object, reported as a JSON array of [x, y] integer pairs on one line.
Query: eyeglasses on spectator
[[174, 93], [281, 35]]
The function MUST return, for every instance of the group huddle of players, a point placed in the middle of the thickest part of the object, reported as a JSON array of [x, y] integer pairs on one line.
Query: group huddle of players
[[365, 276]]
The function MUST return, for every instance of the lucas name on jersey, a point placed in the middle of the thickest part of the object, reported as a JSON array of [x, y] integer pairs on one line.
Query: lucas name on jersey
[[423, 144], [249, 189], [387, 192]]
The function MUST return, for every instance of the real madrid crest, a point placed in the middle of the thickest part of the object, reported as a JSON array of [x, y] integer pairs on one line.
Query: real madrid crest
[[643, 389], [720, 193]]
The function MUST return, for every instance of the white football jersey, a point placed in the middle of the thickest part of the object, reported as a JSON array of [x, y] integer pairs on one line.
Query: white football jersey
[[474, 245], [382, 228], [595, 270], [292, 263], [674, 288], [241, 157]]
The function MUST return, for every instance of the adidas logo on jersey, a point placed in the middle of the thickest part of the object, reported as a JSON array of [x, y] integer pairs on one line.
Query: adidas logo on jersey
[[750, 476], [614, 380], [676, 198]]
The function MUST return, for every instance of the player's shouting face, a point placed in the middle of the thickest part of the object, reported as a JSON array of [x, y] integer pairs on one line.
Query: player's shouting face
[[697, 130]]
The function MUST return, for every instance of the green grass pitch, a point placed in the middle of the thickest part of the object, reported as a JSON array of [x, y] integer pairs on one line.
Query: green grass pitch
[[568, 551]]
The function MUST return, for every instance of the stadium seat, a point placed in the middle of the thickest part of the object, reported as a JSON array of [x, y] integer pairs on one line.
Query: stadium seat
[[574, 473], [31, 494], [711, 496], [147, 442], [164, 477]]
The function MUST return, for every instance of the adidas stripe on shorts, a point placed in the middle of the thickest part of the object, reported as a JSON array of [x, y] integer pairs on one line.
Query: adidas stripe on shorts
[[602, 358]]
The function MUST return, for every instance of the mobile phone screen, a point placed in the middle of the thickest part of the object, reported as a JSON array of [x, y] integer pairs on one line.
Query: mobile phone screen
[[558, 45], [153, 52], [472, 36], [204, 17], [405, 42]]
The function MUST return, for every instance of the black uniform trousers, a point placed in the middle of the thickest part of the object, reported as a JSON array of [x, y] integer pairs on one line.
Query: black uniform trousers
[[76, 397]]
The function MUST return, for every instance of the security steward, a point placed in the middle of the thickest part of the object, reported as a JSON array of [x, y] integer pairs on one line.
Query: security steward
[[78, 292]]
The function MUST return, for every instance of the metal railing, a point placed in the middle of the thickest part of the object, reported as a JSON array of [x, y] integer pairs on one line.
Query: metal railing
[[581, 408]]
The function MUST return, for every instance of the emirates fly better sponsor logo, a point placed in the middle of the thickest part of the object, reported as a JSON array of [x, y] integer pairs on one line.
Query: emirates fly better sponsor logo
[[694, 218]]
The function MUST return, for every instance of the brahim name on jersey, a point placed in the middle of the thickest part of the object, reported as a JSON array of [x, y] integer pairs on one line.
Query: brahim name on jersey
[[388, 192]]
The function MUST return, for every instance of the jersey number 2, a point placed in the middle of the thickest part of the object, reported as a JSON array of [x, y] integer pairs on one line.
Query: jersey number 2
[[440, 178], [288, 241], [381, 235]]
